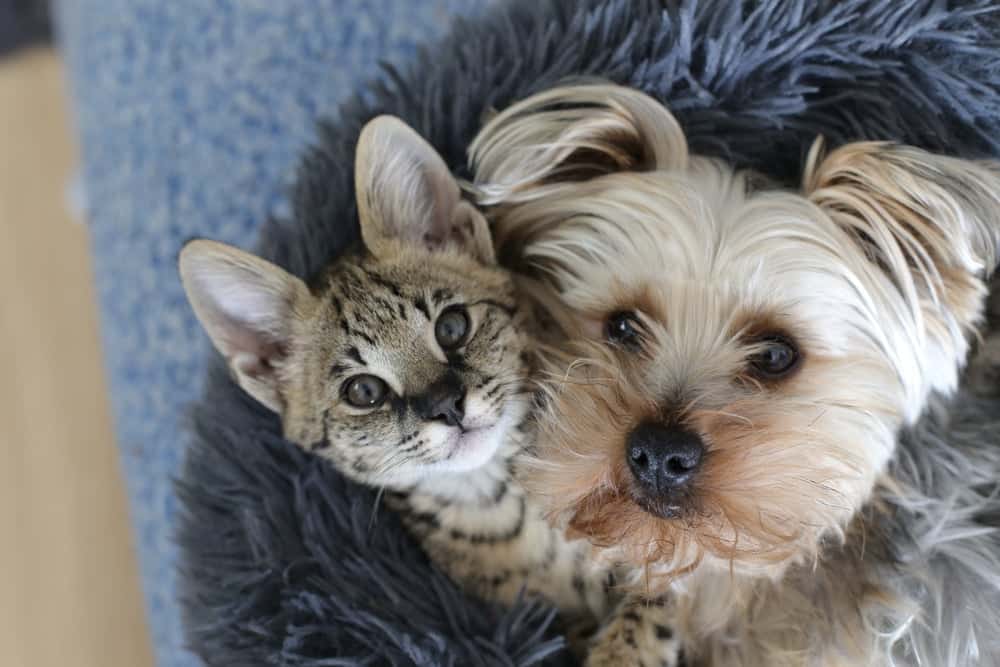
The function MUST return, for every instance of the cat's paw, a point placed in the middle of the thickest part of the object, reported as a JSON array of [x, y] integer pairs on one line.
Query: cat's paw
[[639, 633]]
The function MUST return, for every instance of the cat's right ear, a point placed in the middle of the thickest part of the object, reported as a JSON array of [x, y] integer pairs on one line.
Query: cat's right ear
[[406, 194], [248, 307]]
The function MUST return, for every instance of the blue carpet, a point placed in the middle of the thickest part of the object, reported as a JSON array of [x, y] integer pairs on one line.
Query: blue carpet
[[192, 116]]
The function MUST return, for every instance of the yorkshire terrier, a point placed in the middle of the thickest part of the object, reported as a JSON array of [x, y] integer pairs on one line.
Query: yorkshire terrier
[[734, 415]]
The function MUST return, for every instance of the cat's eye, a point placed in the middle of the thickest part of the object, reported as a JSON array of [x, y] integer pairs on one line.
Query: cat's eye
[[776, 357], [623, 328], [452, 328], [365, 391]]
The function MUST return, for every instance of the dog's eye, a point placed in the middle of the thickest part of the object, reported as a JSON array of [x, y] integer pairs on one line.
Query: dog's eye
[[452, 327], [365, 391], [622, 328], [777, 356]]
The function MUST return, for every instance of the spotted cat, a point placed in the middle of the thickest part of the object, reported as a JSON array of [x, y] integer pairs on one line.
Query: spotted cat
[[405, 365]]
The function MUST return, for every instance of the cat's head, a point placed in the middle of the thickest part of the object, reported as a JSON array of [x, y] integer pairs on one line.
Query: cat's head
[[404, 360]]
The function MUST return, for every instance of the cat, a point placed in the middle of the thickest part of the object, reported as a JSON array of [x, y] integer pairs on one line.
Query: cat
[[407, 365]]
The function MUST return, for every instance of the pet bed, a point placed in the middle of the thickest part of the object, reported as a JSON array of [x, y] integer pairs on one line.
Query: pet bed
[[23, 23], [286, 563]]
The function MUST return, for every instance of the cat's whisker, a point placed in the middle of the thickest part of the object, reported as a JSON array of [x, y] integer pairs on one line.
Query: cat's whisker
[[393, 462], [374, 517]]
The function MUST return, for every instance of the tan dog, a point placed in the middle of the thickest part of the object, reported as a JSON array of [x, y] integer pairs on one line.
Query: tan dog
[[744, 361]]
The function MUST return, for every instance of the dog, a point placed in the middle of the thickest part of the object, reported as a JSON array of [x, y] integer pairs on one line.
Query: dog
[[758, 407]]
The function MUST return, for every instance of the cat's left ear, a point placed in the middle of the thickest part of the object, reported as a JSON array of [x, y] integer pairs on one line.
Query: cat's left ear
[[406, 195]]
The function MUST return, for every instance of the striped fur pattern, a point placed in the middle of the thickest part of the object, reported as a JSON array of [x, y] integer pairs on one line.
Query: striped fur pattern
[[812, 531], [367, 369]]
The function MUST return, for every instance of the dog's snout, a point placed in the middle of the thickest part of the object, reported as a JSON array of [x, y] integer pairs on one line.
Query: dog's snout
[[663, 458]]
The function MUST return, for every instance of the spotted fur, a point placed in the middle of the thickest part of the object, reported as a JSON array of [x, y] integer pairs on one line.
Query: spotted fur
[[639, 632], [374, 313]]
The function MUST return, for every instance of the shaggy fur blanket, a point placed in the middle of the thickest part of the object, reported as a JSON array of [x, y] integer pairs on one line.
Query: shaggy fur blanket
[[23, 22], [286, 563]]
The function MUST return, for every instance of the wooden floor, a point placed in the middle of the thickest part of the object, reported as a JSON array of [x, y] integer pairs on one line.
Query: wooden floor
[[68, 583]]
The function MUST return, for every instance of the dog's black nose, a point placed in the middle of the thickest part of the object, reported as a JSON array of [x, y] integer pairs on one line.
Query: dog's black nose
[[663, 458], [443, 401]]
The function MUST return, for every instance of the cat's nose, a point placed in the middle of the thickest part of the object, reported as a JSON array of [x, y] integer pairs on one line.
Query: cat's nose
[[449, 409], [443, 401]]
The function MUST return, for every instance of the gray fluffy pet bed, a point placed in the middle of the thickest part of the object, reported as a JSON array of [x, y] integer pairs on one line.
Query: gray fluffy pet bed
[[284, 562], [23, 23]]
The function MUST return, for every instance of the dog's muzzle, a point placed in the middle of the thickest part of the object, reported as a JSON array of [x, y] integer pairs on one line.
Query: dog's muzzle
[[663, 460]]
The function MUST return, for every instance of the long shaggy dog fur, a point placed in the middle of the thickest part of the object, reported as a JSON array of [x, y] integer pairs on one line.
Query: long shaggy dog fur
[[809, 535]]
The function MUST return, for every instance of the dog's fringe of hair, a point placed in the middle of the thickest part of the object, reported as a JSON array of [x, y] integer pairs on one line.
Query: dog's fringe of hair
[[569, 133]]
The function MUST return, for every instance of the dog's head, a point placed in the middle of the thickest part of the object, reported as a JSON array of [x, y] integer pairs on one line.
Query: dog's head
[[741, 358]]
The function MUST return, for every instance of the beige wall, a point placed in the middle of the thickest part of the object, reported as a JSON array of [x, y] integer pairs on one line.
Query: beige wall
[[68, 582]]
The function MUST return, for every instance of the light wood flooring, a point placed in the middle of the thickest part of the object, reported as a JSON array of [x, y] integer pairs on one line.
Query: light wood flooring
[[69, 593]]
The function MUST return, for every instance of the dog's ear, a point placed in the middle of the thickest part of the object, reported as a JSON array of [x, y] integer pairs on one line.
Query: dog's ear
[[248, 308], [931, 222], [570, 134], [407, 195]]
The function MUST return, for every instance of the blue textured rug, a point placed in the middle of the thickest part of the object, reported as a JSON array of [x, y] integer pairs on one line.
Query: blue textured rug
[[192, 116]]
